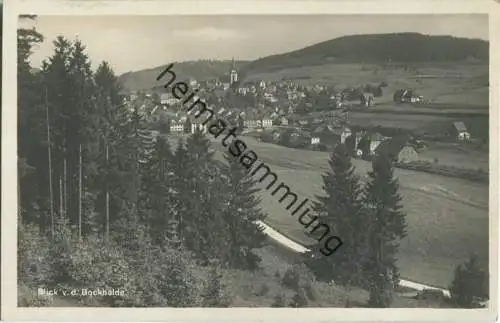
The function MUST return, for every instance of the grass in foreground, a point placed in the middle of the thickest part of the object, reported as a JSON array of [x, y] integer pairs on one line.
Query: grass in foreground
[[259, 289]]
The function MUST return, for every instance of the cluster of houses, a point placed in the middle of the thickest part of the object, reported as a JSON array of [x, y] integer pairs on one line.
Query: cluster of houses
[[272, 107], [362, 144]]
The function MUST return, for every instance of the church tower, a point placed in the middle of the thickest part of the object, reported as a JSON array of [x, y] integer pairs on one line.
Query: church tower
[[233, 74]]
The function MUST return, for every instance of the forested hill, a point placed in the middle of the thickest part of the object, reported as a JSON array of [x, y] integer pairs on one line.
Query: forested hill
[[202, 69], [379, 48]]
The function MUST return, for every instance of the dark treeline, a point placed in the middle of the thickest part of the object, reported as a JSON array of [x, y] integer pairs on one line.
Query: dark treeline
[[381, 48], [103, 204]]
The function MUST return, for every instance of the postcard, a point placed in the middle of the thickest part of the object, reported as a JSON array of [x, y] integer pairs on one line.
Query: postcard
[[253, 161]]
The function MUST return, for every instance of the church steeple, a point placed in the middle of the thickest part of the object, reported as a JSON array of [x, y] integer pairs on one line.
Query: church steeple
[[234, 73]]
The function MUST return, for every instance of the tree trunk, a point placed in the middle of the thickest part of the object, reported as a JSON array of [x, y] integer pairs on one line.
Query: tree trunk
[[51, 193], [61, 210], [80, 193], [107, 194]]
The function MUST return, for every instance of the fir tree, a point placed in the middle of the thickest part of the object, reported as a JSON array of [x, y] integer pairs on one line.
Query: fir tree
[[156, 182], [241, 211], [180, 191], [340, 209], [202, 176], [470, 284], [387, 225], [34, 190]]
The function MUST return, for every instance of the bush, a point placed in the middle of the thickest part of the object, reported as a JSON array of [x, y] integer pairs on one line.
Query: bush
[[29, 298], [470, 285], [279, 301], [264, 289], [215, 294], [33, 256], [299, 277], [299, 299]]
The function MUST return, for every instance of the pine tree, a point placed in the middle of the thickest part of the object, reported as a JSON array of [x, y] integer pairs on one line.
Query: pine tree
[[470, 284], [201, 178], [34, 197], [156, 183], [181, 194], [241, 211], [340, 209], [387, 225]]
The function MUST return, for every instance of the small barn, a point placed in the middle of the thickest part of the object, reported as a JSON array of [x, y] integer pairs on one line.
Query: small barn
[[398, 149], [461, 131]]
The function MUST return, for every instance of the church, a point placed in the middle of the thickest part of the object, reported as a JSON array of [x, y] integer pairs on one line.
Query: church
[[233, 75]]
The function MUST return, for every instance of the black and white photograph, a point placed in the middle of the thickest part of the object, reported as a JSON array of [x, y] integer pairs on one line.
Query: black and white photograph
[[254, 161]]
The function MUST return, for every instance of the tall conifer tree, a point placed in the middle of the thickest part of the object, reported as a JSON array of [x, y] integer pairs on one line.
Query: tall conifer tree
[[387, 225], [241, 211], [340, 209]]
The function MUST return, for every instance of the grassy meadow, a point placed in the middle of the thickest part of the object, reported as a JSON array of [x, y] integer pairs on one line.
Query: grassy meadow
[[447, 217], [465, 83]]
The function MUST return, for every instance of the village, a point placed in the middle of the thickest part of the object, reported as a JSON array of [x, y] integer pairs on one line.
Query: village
[[312, 117]]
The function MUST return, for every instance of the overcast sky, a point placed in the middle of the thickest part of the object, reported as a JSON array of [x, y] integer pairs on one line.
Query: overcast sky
[[132, 43]]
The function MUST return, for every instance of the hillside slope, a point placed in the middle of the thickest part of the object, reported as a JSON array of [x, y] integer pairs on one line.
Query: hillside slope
[[379, 48], [200, 70]]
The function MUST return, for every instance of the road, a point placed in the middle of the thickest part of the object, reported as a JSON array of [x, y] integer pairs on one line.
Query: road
[[296, 247]]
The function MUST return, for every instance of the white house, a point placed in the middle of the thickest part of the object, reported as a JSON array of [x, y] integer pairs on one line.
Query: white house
[[202, 127], [176, 127], [266, 123], [314, 140], [252, 123], [163, 98]]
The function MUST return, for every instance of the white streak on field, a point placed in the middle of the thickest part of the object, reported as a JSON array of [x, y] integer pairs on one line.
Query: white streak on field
[[294, 246]]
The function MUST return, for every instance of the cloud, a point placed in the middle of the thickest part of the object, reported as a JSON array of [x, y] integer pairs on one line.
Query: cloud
[[209, 34]]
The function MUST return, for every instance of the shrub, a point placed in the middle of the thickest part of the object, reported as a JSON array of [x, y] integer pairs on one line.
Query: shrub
[[279, 301], [299, 299], [470, 284], [30, 298], [264, 289], [298, 277], [32, 256], [215, 294]]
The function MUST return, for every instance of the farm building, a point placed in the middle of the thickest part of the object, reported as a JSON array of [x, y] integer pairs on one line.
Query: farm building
[[327, 135], [461, 131], [368, 144], [345, 134], [398, 149], [406, 95]]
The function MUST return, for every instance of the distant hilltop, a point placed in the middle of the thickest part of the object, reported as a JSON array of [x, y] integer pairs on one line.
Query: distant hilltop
[[376, 48], [380, 48]]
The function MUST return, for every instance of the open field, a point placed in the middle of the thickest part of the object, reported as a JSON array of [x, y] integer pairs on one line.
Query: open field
[[422, 124], [456, 155], [437, 82], [447, 217]]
